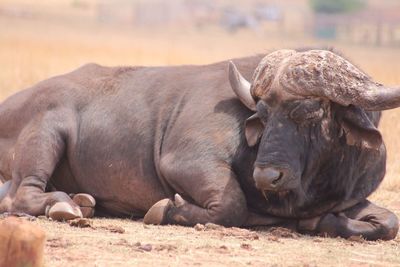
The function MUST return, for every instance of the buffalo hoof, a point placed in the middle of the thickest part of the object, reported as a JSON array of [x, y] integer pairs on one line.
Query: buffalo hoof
[[179, 201], [86, 203], [157, 213], [62, 211]]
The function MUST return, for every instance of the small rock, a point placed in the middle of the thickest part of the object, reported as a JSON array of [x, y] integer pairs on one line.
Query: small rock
[[145, 247], [116, 229], [356, 238], [223, 249], [80, 222], [199, 227], [245, 246]]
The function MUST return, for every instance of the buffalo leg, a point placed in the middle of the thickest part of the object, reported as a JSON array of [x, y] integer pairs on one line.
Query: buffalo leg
[[211, 196], [364, 219], [36, 154]]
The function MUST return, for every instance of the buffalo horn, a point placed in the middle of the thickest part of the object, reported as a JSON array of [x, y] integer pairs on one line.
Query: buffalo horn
[[325, 74], [241, 87], [379, 97]]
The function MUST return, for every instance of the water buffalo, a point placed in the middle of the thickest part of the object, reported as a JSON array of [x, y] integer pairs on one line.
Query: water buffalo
[[299, 146]]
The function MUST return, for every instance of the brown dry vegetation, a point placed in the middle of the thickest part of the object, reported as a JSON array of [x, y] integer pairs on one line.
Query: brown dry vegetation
[[32, 50]]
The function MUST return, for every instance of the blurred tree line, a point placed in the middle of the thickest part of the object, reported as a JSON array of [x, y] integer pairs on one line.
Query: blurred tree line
[[336, 6]]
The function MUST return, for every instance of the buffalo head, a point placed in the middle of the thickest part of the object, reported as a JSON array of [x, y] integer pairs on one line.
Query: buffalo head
[[307, 105]]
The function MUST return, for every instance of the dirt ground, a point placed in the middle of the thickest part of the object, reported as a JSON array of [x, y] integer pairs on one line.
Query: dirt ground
[[116, 242]]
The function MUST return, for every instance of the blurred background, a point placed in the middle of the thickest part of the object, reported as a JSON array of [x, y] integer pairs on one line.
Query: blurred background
[[39, 39]]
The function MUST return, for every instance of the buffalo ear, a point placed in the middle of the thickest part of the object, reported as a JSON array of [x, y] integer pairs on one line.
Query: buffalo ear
[[359, 129], [253, 130]]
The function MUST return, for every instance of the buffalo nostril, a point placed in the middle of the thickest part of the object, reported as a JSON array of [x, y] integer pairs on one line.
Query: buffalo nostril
[[275, 181], [271, 175], [267, 177]]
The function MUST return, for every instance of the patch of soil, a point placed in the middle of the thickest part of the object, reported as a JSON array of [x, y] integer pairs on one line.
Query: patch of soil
[[112, 229], [165, 247], [240, 233], [355, 238], [118, 242], [58, 242], [281, 232]]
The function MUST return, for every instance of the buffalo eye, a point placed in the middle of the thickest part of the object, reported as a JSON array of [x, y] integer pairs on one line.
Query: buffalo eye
[[262, 111], [307, 111]]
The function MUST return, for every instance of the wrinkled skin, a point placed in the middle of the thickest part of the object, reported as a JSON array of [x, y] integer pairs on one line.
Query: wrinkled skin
[[131, 137]]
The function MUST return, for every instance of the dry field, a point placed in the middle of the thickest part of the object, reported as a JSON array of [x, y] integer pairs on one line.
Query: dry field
[[32, 50]]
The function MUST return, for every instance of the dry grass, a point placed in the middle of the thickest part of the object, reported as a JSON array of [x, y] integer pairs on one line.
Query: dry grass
[[31, 51]]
